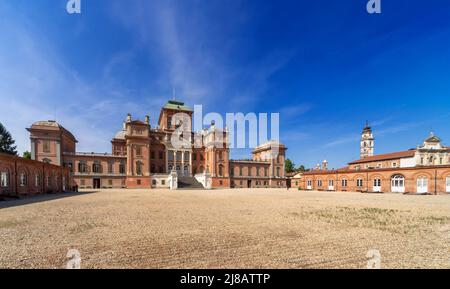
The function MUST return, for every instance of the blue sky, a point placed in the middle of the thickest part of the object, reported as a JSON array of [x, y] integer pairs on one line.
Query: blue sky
[[326, 66]]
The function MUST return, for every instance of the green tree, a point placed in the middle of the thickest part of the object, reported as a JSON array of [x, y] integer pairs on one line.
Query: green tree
[[6, 142], [302, 168], [27, 155], [290, 166]]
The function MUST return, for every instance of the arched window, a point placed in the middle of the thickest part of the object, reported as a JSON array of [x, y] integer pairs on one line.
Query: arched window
[[23, 179], [4, 179], [37, 180], [220, 170]]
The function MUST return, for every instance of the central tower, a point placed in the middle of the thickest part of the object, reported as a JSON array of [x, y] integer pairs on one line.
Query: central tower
[[367, 142]]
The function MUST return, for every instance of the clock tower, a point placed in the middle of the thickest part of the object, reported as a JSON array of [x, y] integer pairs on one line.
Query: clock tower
[[367, 142]]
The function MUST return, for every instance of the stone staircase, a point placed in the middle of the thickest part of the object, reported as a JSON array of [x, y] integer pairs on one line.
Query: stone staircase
[[187, 183]]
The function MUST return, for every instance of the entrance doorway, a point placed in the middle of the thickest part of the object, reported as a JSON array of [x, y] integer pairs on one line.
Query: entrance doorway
[[422, 185], [377, 185], [249, 183], [96, 183], [398, 184]]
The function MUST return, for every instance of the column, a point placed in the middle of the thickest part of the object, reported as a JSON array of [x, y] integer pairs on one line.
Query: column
[[58, 153], [167, 160], [182, 162], [190, 164], [33, 150]]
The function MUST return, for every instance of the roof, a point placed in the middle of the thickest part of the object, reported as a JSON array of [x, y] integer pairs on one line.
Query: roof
[[177, 105], [52, 124], [433, 138], [382, 157]]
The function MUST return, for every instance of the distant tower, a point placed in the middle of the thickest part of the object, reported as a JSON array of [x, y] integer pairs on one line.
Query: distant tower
[[367, 142]]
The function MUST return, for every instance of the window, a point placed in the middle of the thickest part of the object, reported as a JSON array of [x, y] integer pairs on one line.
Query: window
[[3, 179], [344, 183], [379, 166], [398, 183], [202, 157], [359, 183], [153, 168], [139, 168], [220, 170], [82, 167], [394, 165], [138, 182], [266, 172], [221, 183], [240, 171], [358, 168], [278, 171], [330, 183], [194, 156], [161, 155], [319, 183], [96, 167], [23, 180], [152, 155], [154, 182], [46, 146], [441, 161], [421, 161], [296, 183], [122, 168], [163, 182], [138, 151], [169, 122], [110, 167], [377, 182], [37, 180], [309, 183]]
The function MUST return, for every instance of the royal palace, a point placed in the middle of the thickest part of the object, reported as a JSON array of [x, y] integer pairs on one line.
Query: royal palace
[[145, 157]]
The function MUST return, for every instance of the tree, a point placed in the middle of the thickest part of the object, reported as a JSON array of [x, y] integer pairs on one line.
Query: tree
[[302, 169], [290, 166], [27, 155], [6, 142]]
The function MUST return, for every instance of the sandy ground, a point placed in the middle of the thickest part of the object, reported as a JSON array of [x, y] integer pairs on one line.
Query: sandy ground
[[225, 229]]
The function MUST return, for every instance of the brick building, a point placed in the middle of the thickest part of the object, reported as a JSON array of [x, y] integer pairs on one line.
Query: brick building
[[145, 157], [20, 177], [425, 169]]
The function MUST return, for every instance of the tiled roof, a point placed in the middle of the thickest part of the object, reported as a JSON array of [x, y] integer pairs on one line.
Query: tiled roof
[[390, 156]]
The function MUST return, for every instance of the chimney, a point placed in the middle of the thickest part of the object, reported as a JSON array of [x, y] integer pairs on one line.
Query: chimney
[[147, 120]]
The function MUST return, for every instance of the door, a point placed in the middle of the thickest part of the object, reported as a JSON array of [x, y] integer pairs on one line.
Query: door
[[96, 183], [398, 184], [422, 185], [309, 185], [448, 184], [331, 185], [377, 185], [249, 184]]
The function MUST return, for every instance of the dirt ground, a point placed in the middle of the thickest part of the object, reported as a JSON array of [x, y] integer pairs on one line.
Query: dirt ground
[[225, 229]]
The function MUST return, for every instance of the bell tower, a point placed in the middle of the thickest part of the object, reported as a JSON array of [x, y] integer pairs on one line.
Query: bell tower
[[367, 142]]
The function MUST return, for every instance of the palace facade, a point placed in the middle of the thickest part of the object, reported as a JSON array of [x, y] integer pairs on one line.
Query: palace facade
[[145, 157], [425, 169]]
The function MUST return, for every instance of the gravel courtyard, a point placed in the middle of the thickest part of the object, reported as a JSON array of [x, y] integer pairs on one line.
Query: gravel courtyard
[[225, 229]]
